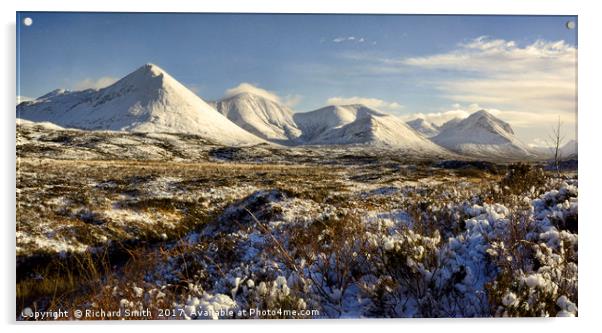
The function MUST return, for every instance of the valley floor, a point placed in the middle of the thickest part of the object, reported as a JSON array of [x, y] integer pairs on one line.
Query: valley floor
[[231, 233]]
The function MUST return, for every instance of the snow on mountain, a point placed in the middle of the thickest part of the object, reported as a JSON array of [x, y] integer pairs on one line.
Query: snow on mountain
[[541, 151], [358, 124], [260, 115], [43, 124], [423, 127], [146, 100], [449, 123], [482, 135], [569, 149], [316, 122]]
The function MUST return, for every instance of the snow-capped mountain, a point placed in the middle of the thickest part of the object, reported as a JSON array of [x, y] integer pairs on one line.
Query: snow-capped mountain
[[542, 152], [482, 135], [146, 100], [358, 124], [316, 122], [424, 127], [449, 123], [262, 116], [569, 149]]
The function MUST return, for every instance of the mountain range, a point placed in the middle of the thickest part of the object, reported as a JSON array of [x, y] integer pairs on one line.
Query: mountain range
[[146, 100], [150, 100], [359, 124]]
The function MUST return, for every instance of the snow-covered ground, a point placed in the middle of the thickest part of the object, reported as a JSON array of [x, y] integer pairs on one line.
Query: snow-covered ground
[[210, 231], [288, 253]]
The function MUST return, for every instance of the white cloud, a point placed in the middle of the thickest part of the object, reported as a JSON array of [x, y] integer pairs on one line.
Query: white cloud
[[249, 88], [437, 118], [515, 118], [288, 100], [539, 77], [94, 83], [292, 100], [350, 39], [529, 86], [370, 102], [539, 142], [441, 117], [195, 88], [21, 99]]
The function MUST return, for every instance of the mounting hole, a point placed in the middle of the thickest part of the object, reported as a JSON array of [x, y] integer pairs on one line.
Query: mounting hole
[[571, 25], [27, 21]]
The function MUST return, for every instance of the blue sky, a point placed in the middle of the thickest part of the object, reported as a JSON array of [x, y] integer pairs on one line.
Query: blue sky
[[405, 65]]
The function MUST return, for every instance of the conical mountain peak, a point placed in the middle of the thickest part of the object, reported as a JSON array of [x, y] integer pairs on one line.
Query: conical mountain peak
[[146, 100]]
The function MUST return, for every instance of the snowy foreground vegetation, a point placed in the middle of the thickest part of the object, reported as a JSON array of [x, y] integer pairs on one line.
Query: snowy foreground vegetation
[[257, 232]]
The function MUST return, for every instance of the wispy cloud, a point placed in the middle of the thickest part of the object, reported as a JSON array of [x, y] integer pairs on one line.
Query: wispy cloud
[[94, 83], [370, 102], [533, 123], [349, 39], [250, 88], [292, 100], [245, 87], [21, 99], [195, 88], [539, 77], [522, 119], [439, 118]]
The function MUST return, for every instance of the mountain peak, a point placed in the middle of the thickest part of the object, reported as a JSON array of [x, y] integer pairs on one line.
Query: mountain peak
[[357, 109], [148, 69], [417, 121], [54, 93], [423, 127], [486, 119], [258, 112], [358, 124], [481, 134], [354, 106], [482, 113]]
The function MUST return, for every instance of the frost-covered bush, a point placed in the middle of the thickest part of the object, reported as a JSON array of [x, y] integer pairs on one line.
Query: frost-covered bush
[[402, 270], [208, 306], [537, 270], [435, 251], [276, 295]]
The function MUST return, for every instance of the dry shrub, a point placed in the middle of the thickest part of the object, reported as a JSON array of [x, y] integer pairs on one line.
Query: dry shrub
[[521, 178]]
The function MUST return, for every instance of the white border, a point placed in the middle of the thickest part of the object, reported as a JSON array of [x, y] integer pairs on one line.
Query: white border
[[590, 127]]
